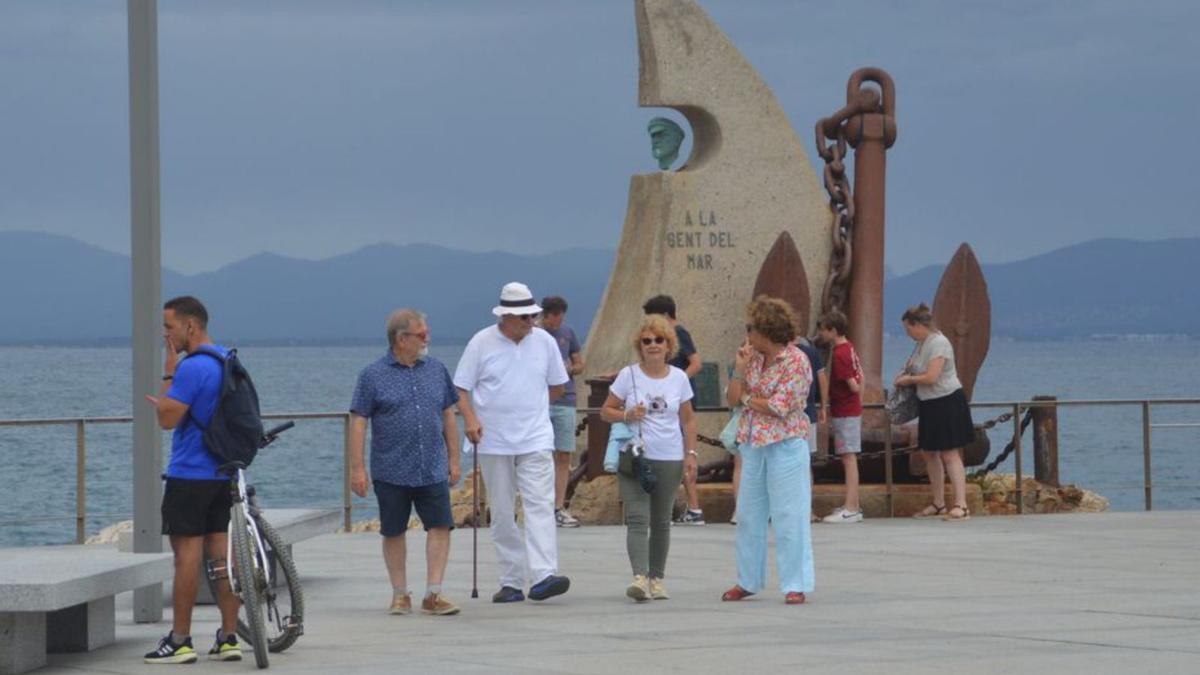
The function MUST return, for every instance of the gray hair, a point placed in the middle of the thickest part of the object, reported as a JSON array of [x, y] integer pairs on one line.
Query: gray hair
[[400, 321]]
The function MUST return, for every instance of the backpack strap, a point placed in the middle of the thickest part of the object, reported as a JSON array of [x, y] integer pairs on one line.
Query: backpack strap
[[221, 359]]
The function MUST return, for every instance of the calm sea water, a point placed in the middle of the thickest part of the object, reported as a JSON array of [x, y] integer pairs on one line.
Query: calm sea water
[[1100, 448]]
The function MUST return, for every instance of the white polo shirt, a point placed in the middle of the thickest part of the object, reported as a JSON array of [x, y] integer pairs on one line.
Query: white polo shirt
[[508, 384]]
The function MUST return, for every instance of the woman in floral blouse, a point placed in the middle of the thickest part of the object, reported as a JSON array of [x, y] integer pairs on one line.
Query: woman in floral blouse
[[770, 380]]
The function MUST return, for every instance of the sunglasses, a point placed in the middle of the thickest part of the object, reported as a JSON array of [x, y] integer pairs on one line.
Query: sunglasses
[[424, 335], [749, 328], [658, 340], [529, 317]]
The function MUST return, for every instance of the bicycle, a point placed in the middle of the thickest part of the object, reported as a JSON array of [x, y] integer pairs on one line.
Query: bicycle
[[251, 547]]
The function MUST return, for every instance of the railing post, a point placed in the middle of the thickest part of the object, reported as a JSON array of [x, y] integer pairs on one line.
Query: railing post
[[1147, 486], [80, 483], [1045, 441], [887, 461], [347, 505], [1016, 419]]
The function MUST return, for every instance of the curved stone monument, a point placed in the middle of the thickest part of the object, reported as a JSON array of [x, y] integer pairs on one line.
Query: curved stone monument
[[703, 233]]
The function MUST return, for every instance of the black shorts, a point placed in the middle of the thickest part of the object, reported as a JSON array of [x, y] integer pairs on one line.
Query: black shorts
[[195, 507], [396, 503]]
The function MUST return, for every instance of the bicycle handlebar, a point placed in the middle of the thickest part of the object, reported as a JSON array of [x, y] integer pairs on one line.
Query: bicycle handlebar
[[270, 435]]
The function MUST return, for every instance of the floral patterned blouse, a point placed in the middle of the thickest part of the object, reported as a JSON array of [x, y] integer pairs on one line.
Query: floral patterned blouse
[[785, 385]]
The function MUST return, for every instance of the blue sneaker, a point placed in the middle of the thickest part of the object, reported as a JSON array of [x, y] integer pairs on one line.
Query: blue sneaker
[[549, 587], [508, 594]]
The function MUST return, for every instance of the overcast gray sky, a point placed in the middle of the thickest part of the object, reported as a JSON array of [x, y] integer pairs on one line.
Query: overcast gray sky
[[314, 128]]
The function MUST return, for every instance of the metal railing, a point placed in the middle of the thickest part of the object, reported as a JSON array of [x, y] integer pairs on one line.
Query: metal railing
[[1015, 407]]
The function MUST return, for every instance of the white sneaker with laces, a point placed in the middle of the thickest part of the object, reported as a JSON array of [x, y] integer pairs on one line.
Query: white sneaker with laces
[[843, 516], [563, 518]]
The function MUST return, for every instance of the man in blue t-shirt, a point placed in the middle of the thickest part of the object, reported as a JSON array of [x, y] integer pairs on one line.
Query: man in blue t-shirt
[[562, 411], [196, 499]]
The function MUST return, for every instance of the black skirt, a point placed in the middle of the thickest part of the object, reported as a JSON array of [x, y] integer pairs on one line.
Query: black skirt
[[945, 423]]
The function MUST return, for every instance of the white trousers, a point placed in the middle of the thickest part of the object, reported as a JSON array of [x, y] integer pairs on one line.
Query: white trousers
[[531, 475]]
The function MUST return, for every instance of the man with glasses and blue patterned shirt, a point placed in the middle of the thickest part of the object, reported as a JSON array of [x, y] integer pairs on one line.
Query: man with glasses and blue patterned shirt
[[409, 398]]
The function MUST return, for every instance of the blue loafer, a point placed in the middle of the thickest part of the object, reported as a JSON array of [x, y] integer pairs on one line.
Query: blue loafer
[[508, 594], [549, 587]]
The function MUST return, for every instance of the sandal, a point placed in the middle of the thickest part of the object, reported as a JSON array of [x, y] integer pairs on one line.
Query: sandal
[[734, 594], [957, 513], [931, 511]]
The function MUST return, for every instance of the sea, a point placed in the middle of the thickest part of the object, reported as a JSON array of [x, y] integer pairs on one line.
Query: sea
[[1100, 448]]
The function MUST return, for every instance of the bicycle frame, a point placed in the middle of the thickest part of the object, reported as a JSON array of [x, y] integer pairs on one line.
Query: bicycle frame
[[243, 501]]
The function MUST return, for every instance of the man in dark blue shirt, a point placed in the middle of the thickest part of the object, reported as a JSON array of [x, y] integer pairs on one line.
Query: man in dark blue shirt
[[196, 499], [409, 399]]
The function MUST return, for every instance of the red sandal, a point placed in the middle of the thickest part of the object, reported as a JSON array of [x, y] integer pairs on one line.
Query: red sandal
[[734, 594], [794, 598]]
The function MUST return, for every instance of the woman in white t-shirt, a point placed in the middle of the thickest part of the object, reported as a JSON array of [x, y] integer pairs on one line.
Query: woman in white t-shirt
[[944, 425], [654, 399]]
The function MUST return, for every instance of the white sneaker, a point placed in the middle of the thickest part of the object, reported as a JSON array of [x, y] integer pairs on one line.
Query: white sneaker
[[563, 518], [639, 589], [843, 516], [836, 512]]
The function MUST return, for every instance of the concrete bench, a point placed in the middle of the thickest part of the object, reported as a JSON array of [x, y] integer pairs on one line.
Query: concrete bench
[[293, 526], [62, 598]]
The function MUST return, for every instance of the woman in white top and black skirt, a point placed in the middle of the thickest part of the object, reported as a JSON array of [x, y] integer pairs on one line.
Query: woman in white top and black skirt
[[944, 425]]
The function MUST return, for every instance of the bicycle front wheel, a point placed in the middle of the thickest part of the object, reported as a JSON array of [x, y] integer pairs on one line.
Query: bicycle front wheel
[[251, 583], [284, 606]]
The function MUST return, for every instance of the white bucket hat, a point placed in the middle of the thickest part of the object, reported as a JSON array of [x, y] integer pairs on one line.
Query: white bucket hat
[[515, 298]]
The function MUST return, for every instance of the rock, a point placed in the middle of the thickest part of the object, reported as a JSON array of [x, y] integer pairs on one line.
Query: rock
[[1000, 497], [110, 534], [597, 502]]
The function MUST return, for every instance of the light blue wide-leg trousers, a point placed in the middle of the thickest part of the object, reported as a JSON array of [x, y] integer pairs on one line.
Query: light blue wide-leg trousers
[[776, 484]]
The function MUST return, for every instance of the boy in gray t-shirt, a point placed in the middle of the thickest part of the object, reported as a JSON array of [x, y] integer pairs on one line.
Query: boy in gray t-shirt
[[562, 411]]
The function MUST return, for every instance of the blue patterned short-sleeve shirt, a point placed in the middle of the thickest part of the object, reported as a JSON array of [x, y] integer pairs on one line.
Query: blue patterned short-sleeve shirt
[[405, 406]]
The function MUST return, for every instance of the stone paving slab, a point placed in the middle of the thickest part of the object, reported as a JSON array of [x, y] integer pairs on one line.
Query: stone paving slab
[[1101, 593]]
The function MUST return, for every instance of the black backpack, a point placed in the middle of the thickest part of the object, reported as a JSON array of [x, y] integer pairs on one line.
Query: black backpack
[[235, 430]]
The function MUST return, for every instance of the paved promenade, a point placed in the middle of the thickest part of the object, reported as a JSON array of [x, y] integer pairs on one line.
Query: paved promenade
[[1103, 593]]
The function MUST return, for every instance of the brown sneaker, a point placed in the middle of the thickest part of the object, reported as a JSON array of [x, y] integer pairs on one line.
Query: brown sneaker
[[401, 604], [435, 604]]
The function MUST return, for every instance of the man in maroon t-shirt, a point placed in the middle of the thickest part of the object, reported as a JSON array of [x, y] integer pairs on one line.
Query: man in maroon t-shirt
[[845, 410]]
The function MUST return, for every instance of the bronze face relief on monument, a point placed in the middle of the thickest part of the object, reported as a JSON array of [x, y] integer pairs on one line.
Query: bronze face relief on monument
[[665, 138]]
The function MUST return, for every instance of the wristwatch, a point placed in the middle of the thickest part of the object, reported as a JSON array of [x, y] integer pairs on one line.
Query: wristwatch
[[168, 378], [746, 399], [692, 453]]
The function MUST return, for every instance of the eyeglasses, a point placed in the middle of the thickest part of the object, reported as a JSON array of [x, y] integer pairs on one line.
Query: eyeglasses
[[424, 335], [657, 340]]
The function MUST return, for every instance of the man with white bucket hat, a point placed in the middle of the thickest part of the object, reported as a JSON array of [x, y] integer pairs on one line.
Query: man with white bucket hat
[[507, 377]]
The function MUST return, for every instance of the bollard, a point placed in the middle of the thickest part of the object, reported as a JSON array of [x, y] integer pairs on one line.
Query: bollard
[[597, 429], [1045, 442]]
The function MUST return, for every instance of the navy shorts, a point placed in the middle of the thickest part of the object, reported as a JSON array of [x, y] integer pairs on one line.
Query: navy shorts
[[192, 508], [396, 503]]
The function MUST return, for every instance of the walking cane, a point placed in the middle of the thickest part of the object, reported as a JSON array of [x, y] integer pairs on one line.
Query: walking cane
[[475, 520]]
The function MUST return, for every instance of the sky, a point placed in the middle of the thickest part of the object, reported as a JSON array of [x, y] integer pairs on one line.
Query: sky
[[311, 129]]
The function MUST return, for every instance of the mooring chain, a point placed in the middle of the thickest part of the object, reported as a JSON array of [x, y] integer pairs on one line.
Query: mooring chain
[[1007, 449], [841, 203]]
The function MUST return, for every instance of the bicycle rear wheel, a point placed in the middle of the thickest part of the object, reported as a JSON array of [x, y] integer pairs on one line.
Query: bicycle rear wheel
[[251, 583], [284, 606]]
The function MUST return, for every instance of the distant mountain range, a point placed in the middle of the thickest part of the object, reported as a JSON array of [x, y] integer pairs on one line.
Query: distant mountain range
[[55, 289], [1099, 287]]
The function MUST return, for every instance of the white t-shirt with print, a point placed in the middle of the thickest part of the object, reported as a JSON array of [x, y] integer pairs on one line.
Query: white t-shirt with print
[[662, 397], [508, 385]]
